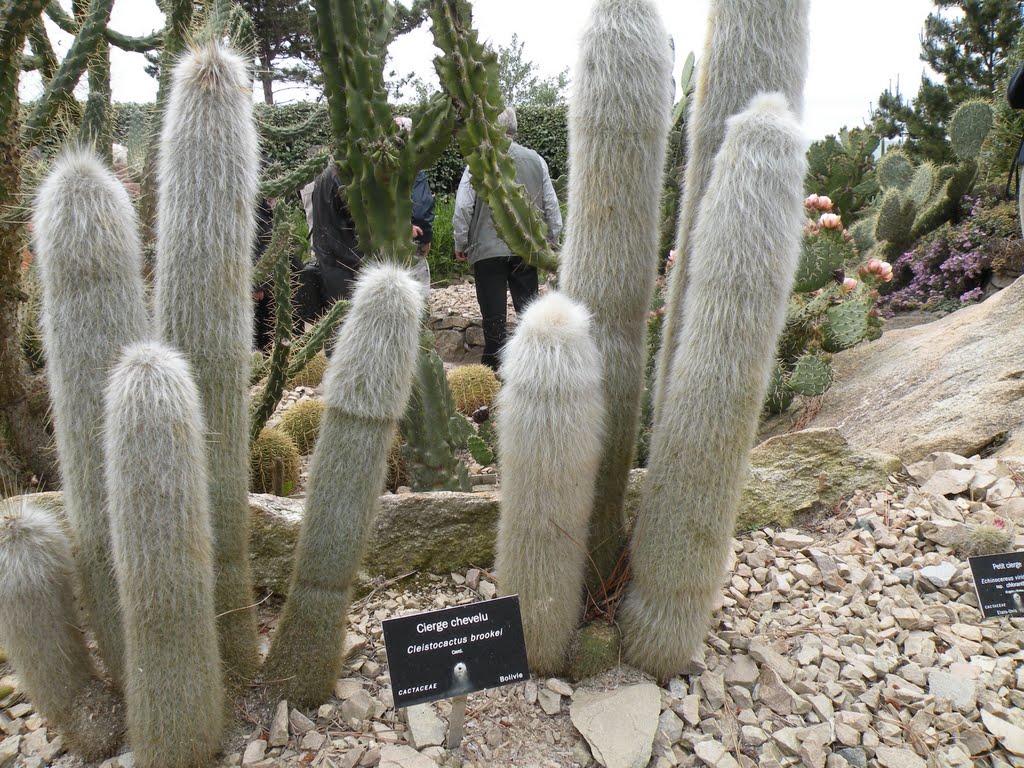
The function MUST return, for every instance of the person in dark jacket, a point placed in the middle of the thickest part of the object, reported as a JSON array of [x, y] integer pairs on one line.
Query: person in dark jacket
[[263, 324], [422, 216], [334, 238]]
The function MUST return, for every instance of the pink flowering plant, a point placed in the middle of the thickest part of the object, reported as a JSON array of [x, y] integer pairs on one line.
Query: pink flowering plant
[[951, 266]]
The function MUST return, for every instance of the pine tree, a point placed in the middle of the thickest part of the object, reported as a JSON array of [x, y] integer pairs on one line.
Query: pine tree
[[968, 49]]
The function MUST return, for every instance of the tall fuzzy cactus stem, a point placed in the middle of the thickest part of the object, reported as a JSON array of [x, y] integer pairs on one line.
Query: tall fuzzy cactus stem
[[745, 251], [163, 555], [90, 265], [366, 388], [209, 163], [751, 46], [551, 414], [618, 125], [38, 630]]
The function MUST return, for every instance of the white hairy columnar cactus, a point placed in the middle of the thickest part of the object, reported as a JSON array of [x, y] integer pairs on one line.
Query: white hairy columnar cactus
[[618, 121], [209, 166], [163, 557], [90, 265], [752, 46], [366, 388], [38, 630], [550, 422], [745, 250]]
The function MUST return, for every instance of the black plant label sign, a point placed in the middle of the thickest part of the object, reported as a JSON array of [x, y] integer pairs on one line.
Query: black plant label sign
[[999, 582], [455, 651]]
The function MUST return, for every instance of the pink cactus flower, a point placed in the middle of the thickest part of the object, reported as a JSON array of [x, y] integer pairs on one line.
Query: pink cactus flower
[[830, 221], [885, 272], [848, 285], [811, 202], [824, 203], [874, 265]]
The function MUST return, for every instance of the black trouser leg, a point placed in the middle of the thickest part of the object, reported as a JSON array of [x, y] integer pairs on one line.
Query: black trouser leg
[[492, 277], [523, 283]]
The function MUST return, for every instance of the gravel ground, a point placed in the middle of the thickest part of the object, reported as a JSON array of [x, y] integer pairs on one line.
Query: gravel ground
[[855, 640]]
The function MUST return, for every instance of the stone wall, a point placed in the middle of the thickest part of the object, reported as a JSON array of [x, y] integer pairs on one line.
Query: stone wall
[[460, 338]]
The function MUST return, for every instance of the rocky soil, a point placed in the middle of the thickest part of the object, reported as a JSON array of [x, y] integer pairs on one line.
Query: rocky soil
[[853, 641]]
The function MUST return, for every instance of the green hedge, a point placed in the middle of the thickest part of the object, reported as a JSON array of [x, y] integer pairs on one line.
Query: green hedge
[[542, 129]]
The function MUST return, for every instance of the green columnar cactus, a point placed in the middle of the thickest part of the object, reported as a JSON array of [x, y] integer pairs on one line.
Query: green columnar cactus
[[277, 375], [90, 264], [207, 187], [95, 129], [163, 557], [297, 177], [377, 160], [430, 427], [38, 629], [751, 46], [368, 384], [745, 250], [551, 412], [468, 74], [60, 87], [618, 123]]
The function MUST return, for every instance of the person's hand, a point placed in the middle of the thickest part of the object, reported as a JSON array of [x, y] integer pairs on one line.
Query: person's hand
[[416, 232], [460, 255]]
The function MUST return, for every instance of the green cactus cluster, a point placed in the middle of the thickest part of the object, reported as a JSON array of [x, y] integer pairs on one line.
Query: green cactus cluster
[[433, 428], [915, 199]]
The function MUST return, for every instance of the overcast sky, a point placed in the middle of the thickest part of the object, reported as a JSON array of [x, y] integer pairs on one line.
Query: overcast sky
[[858, 47]]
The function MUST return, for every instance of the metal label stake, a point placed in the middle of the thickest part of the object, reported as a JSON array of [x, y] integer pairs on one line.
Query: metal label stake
[[455, 722]]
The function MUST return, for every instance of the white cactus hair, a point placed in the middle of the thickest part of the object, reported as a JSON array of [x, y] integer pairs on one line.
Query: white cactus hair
[[160, 519], [550, 415], [370, 385], [208, 184], [366, 387], [38, 630], [618, 126], [745, 252], [90, 265], [751, 46]]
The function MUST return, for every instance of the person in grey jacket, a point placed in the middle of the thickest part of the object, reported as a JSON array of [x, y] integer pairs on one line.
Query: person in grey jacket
[[496, 269]]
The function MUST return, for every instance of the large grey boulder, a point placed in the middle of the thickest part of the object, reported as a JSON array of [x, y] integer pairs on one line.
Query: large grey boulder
[[807, 471], [955, 385], [426, 532]]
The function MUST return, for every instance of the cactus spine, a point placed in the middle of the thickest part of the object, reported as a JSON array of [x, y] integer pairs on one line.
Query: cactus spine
[[163, 555], [751, 46], [90, 264], [38, 629], [551, 413], [745, 250], [367, 385], [618, 124], [207, 190]]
